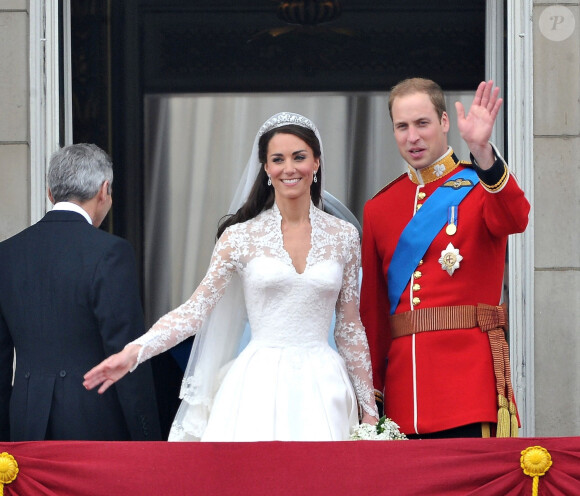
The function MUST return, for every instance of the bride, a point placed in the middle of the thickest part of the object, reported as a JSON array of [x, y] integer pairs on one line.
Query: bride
[[288, 266]]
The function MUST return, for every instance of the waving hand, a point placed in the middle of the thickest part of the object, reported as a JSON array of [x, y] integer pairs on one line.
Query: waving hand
[[476, 127]]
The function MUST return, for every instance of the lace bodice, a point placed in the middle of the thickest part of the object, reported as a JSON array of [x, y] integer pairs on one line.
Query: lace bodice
[[284, 307]]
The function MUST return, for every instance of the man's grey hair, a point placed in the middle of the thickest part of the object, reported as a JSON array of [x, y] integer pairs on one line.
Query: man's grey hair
[[77, 172]]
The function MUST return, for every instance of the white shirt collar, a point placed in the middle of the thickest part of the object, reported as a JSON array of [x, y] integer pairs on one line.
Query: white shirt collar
[[73, 207]]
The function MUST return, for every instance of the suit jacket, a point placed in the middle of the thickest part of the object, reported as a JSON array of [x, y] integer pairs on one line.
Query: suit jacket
[[438, 380], [68, 299]]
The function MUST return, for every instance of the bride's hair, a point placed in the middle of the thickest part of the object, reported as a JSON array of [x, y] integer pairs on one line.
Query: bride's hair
[[261, 195]]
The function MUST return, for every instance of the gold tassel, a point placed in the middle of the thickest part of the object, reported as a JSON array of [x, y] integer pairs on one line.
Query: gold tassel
[[503, 417], [513, 420]]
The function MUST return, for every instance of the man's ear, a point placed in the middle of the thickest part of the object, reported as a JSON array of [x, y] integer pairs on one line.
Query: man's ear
[[50, 197], [445, 122], [104, 190]]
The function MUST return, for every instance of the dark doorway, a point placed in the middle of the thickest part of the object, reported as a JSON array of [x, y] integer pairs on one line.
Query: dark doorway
[[125, 49], [122, 50]]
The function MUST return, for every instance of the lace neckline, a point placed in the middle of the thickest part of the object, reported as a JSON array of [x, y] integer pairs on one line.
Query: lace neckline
[[276, 220]]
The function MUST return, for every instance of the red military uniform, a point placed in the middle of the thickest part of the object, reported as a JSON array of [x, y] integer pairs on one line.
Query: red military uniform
[[438, 380]]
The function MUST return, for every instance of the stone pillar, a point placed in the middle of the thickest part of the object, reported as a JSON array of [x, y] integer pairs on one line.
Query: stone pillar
[[14, 118], [557, 216]]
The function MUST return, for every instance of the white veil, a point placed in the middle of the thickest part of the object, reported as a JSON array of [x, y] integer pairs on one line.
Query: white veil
[[217, 342]]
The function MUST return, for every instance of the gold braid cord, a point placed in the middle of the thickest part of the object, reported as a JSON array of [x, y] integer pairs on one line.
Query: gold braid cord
[[8, 470], [493, 320], [535, 462]]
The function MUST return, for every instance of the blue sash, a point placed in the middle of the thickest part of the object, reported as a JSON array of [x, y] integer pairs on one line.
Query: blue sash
[[422, 229]]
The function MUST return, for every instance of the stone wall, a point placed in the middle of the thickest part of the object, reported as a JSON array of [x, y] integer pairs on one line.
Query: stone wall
[[14, 118], [557, 216]]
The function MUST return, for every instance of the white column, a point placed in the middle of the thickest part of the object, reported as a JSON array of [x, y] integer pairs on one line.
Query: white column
[[44, 95], [494, 59], [521, 247]]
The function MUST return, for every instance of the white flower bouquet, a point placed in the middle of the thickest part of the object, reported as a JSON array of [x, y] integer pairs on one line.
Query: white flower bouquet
[[384, 430]]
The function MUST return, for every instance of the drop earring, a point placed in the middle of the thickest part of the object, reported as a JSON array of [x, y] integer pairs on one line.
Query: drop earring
[[269, 180], [315, 179]]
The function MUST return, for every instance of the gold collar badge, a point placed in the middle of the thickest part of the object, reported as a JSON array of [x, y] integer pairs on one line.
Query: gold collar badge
[[435, 171]]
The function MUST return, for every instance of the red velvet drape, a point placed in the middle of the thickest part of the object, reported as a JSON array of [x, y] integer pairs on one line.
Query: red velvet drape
[[429, 467]]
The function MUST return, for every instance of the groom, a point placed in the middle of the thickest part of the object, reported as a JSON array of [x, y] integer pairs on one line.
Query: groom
[[68, 299], [433, 257]]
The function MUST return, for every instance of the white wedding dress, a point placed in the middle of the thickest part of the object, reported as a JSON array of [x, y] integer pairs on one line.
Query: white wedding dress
[[288, 384]]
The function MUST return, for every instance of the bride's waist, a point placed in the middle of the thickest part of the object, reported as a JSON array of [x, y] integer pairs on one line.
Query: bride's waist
[[306, 342]]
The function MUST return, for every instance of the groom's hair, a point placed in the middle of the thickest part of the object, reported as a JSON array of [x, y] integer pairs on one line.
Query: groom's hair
[[261, 196], [419, 85]]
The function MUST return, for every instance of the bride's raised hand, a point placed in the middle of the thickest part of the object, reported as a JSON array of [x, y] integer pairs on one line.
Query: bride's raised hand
[[111, 369]]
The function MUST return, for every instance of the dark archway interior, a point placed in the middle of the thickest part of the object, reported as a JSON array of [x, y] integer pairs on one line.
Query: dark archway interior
[[124, 49]]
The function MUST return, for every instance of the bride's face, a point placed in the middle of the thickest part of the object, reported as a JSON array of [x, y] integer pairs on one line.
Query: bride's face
[[291, 165]]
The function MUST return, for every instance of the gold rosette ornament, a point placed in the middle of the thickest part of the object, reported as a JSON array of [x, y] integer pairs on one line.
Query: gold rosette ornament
[[8, 470], [535, 462]]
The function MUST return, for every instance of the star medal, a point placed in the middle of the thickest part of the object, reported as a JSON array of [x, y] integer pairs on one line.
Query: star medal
[[451, 228], [450, 259]]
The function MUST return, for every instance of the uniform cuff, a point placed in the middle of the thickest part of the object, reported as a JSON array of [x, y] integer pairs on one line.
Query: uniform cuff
[[494, 178]]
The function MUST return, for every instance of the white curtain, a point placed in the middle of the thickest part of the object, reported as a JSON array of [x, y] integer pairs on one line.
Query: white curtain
[[196, 147]]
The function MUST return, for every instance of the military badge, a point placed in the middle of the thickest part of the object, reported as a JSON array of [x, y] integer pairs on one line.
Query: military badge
[[450, 259], [457, 183]]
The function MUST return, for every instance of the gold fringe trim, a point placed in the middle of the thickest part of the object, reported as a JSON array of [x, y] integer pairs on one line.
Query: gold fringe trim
[[514, 428], [503, 417]]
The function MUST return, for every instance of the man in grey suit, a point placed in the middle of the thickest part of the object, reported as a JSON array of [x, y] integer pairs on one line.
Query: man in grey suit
[[69, 298]]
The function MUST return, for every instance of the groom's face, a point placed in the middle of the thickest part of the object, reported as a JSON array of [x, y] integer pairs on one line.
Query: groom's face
[[421, 136]]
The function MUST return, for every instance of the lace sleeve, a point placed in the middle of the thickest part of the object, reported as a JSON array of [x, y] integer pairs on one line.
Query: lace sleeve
[[187, 319], [350, 336]]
